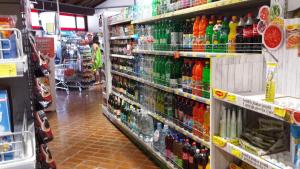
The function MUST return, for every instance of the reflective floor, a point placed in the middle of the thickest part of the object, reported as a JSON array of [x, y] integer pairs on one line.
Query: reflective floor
[[85, 139]]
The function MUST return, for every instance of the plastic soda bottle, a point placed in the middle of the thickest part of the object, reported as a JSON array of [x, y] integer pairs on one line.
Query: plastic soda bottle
[[196, 33], [216, 36], [208, 36], [206, 123], [224, 36], [206, 80], [202, 32], [232, 34]]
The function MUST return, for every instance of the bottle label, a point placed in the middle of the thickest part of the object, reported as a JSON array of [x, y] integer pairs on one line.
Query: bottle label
[[191, 159], [180, 38], [255, 32], [190, 40], [156, 136], [173, 82], [185, 156], [185, 40], [168, 154], [248, 32]]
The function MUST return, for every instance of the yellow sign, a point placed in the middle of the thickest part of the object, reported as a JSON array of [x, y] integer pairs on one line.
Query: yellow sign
[[219, 93], [8, 70], [231, 98], [279, 112], [236, 153], [219, 141]]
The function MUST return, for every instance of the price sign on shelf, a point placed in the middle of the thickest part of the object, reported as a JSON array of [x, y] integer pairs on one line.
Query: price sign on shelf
[[219, 141], [8, 69]]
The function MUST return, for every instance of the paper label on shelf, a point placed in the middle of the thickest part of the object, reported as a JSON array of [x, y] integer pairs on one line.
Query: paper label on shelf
[[219, 141], [8, 69], [231, 98], [255, 162], [279, 112], [236, 153], [257, 106], [219, 93]]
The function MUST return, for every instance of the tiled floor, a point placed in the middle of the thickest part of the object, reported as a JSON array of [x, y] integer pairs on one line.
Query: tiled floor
[[85, 139]]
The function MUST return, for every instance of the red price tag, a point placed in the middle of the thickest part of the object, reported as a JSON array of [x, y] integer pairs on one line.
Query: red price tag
[[176, 55]]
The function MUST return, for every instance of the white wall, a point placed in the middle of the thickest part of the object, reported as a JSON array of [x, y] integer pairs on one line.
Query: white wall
[[92, 21]]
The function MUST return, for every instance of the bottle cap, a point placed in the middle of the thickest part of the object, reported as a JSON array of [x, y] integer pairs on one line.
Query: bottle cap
[[234, 18], [187, 140], [197, 151], [194, 144], [249, 14]]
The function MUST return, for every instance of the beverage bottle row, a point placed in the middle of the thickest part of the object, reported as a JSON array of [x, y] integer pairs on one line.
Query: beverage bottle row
[[135, 119], [231, 122], [123, 65], [193, 116], [189, 114], [204, 34], [182, 151], [196, 77], [126, 86], [122, 47], [164, 6]]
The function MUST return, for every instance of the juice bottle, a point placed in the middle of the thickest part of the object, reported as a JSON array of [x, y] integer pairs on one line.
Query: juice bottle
[[184, 70], [198, 79], [206, 123], [201, 120], [196, 34], [196, 118], [224, 36], [239, 36], [189, 75], [202, 31], [232, 34], [206, 80], [216, 36]]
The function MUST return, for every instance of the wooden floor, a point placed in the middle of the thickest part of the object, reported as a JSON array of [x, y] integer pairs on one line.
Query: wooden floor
[[85, 139]]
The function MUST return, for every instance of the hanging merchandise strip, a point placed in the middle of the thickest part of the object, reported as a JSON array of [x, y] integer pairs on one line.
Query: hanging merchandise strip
[[164, 120], [255, 102], [164, 88]]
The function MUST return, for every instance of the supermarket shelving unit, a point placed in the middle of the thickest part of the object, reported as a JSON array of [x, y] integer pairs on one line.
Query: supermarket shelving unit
[[17, 76], [236, 79]]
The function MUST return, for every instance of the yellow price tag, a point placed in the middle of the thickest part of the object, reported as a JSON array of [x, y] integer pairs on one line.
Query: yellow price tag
[[236, 153], [231, 98], [194, 54], [279, 112], [8, 69], [185, 95], [219, 141]]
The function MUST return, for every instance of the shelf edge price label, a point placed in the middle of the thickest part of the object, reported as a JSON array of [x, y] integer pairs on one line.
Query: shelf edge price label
[[8, 69], [236, 153], [219, 141], [231, 98], [219, 93], [279, 112]]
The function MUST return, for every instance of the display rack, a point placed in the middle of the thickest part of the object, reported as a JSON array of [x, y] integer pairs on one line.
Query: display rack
[[237, 81], [137, 140]]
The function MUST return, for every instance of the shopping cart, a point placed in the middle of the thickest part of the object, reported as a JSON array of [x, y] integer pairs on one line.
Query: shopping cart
[[67, 75]]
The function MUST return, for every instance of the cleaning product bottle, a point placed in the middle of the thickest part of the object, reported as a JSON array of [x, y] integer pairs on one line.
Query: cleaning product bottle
[[223, 122], [239, 123], [233, 125], [232, 34]]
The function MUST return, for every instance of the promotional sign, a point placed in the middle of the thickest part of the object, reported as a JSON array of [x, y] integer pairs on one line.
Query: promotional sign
[[46, 46], [5, 125]]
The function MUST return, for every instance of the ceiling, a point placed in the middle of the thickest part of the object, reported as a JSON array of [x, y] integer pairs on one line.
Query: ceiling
[[85, 3]]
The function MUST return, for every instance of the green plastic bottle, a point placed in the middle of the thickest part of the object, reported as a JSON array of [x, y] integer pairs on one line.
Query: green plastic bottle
[[216, 36], [224, 36], [206, 80], [208, 36], [169, 71], [162, 71], [154, 69], [154, 7]]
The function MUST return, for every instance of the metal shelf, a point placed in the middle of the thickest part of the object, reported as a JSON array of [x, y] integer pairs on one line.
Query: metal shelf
[[214, 6], [165, 88], [122, 37], [165, 121], [190, 54], [120, 22], [136, 138], [259, 162], [256, 102], [122, 56]]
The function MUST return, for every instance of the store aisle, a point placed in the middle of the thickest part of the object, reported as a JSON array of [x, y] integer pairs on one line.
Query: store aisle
[[85, 139]]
